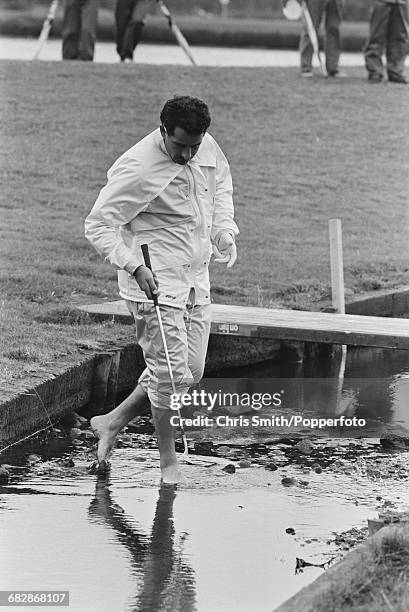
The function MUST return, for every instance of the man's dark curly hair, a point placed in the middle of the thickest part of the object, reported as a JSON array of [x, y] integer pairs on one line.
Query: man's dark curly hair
[[190, 114]]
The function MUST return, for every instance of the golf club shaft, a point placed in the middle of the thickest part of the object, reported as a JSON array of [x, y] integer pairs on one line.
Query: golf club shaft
[[45, 30], [147, 259], [176, 31]]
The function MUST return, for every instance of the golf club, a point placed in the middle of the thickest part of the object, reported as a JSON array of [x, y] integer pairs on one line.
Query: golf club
[[312, 33], [176, 31], [185, 456], [294, 10], [45, 30]]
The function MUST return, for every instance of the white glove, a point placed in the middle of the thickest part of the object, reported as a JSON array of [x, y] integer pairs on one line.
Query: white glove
[[226, 250]]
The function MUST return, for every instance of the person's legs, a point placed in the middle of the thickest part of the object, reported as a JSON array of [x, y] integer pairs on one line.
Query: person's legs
[[89, 21], [375, 46], [155, 379], [134, 30], [71, 29], [198, 322], [123, 14], [107, 426], [316, 9], [333, 17], [397, 43]]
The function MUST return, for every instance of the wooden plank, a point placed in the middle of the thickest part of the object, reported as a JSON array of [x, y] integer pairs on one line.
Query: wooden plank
[[353, 330]]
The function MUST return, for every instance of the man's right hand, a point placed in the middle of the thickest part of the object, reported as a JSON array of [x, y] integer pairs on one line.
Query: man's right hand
[[147, 281]]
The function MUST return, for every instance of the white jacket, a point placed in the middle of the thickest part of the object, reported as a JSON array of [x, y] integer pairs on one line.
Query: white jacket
[[178, 210]]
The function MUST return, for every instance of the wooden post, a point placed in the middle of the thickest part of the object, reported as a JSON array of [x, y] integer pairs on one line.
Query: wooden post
[[337, 267], [338, 294]]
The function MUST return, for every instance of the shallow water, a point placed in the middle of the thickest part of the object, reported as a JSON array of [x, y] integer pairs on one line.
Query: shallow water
[[372, 384], [120, 543]]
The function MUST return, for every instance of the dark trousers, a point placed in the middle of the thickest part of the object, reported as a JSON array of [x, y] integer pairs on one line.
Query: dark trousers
[[332, 9], [388, 31], [129, 20], [79, 29]]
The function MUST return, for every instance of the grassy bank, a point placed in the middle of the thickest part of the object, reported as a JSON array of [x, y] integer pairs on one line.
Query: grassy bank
[[300, 152], [209, 30]]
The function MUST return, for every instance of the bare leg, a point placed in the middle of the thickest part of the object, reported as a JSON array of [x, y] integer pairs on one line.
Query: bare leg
[[165, 433], [107, 426]]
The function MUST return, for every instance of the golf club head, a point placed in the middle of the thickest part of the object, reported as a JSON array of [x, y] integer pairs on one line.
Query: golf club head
[[292, 10]]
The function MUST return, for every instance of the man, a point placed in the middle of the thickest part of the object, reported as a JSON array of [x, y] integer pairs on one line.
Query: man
[[388, 29], [172, 191], [333, 14], [79, 29], [129, 21]]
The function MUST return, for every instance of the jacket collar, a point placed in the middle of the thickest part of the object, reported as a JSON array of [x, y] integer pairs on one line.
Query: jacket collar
[[204, 157]]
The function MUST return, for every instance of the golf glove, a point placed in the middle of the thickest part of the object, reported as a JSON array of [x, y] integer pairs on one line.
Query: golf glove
[[226, 250]]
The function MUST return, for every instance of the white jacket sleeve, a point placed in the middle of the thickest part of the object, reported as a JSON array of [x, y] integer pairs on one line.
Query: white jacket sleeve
[[118, 203], [223, 214]]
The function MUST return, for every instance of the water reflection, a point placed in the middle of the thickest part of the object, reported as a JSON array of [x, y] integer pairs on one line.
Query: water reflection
[[371, 384], [158, 563]]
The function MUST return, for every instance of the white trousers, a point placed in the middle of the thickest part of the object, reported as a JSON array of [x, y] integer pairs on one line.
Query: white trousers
[[187, 336]]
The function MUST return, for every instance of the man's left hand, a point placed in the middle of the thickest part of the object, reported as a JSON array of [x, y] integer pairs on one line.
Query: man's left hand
[[226, 250]]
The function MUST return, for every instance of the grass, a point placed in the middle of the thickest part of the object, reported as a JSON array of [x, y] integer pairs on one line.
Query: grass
[[380, 584], [300, 153]]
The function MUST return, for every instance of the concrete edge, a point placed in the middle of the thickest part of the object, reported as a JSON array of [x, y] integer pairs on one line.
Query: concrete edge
[[340, 575], [97, 380], [393, 303]]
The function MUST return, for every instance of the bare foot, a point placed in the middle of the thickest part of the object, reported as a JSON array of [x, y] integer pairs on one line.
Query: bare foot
[[106, 437], [172, 475]]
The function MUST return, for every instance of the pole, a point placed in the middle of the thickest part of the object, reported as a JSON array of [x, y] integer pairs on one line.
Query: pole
[[338, 292], [337, 266], [312, 33], [176, 31], [45, 30]]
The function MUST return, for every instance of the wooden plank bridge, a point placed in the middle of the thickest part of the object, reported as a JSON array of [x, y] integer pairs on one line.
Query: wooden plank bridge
[[249, 321]]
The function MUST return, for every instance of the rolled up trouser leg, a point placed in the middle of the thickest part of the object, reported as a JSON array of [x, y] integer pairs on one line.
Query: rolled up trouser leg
[[198, 323], [155, 379]]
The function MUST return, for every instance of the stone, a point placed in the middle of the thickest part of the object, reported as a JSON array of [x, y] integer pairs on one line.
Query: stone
[[304, 446], [204, 447], [75, 432], [290, 530], [288, 481], [244, 463], [391, 440], [229, 468], [223, 450], [271, 466], [4, 475], [33, 458]]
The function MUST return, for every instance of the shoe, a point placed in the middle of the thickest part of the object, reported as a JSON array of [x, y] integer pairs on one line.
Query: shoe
[[397, 78], [337, 74], [374, 78], [307, 74]]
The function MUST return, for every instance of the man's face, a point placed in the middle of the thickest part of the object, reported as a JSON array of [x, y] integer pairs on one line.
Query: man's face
[[181, 146]]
